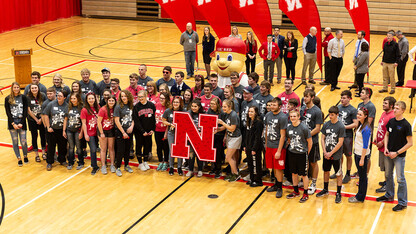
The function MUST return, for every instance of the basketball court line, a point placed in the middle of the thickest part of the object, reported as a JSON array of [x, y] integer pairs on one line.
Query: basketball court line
[[373, 227], [47, 191]]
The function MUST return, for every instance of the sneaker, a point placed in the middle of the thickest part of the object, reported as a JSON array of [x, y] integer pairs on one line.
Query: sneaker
[[338, 198], [256, 184], [20, 163], [382, 183], [322, 193], [383, 199], [94, 170], [200, 174], [189, 174], [180, 172], [69, 167], [104, 170], [142, 167], [48, 167], [304, 198], [346, 179], [399, 207], [292, 195], [287, 183], [118, 172], [159, 167], [354, 200], [272, 188], [164, 167], [217, 175], [234, 177], [279, 193], [112, 168], [171, 171], [333, 176], [247, 178], [26, 160], [128, 169], [381, 190], [147, 165], [312, 189], [355, 175], [79, 167]]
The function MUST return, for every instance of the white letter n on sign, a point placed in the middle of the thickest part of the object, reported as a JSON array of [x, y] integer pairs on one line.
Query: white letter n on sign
[[243, 3], [353, 4], [166, 1], [291, 4], [201, 2]]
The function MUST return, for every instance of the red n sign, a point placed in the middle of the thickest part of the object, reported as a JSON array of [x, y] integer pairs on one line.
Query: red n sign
[[203, 143]]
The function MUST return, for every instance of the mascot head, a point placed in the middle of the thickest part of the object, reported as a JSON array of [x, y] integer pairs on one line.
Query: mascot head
[[229, 56]]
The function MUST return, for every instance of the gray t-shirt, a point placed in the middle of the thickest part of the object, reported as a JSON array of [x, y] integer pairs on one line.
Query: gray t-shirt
[[236, 105], [88, 88], [101, 86], [56, 114], [125, 114], [143, 82], [44, 105], [262, 102], [16, 109], [347, 114], [74, 119], [170, 83], [312, 117], [332, 134], [371, 111], [60, 89], [274, 124], [168, 115], [42, 89], [256, 89], [245, 105], [298, 136], [238, 93], [35, 107], [232, 119]]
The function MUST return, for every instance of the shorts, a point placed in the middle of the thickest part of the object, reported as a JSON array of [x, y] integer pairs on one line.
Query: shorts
[[381, 158], [298, 163], [233, 142], [314, 155], [347, 146], [109, 133], [272, 162], [336, 164]]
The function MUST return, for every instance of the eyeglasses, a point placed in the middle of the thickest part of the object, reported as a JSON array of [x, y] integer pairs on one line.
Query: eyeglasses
[[140, 96], [166, 72]]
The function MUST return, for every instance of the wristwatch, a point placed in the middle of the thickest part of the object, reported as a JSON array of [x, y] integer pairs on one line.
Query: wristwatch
[[397, 152]]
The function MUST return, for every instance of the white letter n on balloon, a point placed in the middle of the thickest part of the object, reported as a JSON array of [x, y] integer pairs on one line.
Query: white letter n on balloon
[[201, 2], [292, 4], [243, 3], [353, 4]]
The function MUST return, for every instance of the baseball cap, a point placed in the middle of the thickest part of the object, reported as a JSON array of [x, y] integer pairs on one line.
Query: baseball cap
[[105, 69], [248, 89]]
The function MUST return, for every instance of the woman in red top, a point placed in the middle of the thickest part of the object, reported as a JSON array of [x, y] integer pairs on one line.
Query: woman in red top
[[89, 127], [105, 125], [199, 86], [290, 56], [152, 94], [160, 132], [251, 51]]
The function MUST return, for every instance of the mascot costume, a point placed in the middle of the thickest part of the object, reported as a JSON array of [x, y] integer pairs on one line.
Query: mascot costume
[[229, 57]]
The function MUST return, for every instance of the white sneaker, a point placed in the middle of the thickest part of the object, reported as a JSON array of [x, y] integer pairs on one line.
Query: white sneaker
[[247, 178], [118, 172], [312, 189], [142, 167], [146, 165], [112, 169], [128, 169], [104, 170], [189, 173], [199, 174]]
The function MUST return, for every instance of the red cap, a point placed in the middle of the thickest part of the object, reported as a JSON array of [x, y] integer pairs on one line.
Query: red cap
[[231, 44]]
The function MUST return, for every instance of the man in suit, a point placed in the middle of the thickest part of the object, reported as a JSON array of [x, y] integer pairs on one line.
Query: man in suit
[[269, 51], [279, 40]]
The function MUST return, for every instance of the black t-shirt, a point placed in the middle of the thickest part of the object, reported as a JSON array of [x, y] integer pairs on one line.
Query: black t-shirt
[[398, 131]]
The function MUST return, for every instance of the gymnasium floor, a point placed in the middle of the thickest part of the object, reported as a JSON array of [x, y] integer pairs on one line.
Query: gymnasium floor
[[62, 201]]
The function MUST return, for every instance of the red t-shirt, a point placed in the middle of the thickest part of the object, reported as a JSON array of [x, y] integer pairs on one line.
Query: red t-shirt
[[285, 100], [196, 93], [134, 92], [115, 94], [381, 129], [205, 102], [153, 98], [91, 121], [160, 109], [107, 122]]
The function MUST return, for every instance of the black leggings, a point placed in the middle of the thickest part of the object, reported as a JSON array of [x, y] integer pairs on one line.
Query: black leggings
[[34, 128], [290, 64], [145, 143], [123, 148], [360, 81], [162, 147]]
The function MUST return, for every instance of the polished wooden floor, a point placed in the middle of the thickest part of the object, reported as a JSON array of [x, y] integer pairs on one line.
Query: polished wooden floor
[[63, 201]]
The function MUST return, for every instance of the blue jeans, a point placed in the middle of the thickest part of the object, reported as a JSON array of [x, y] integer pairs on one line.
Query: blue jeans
[[73, 140], [171, 140], [389, 164], [363, 181], [93, 150], [190, 62], [16, 134]]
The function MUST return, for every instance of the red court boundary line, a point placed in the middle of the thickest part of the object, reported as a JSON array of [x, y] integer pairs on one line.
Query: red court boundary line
[[368, 198]]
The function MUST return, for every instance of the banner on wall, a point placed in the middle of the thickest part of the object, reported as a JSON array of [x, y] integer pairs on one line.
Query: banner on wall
[[257, 15], [358, 11], [304, 14], [216, 13]]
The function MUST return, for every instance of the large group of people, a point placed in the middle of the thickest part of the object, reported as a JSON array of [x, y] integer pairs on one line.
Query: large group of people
[[280, 135]]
